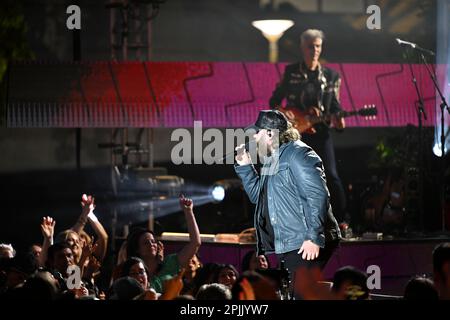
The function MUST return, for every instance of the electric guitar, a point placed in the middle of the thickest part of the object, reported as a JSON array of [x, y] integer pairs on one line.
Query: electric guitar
[[304, 121]]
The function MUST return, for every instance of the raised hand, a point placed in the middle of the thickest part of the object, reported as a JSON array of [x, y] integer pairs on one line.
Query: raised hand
[[48, 227], [186, 203], [242, 156], [87, 204]]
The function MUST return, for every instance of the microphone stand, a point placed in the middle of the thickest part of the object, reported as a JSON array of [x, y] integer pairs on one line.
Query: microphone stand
[[420, 111], [443, 106]]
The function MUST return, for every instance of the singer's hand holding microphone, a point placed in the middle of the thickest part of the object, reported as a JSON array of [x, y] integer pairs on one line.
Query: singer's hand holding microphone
[[242, 155]]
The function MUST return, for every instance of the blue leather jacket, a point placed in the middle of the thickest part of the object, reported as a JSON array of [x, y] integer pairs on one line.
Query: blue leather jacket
[[298, 198]]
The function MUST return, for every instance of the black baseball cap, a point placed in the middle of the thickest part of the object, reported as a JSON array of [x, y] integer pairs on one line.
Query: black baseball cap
[[270, 119]]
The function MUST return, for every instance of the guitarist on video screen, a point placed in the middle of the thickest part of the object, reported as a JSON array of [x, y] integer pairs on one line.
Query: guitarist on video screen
[[310, 88]]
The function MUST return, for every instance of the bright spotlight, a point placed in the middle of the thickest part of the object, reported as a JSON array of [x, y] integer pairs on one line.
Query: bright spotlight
[[437, 150], [218, 193]]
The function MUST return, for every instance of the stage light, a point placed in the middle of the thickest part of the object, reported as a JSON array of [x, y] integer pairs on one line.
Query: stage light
[[218, 193], [219, 188], [273, 30], [437, 149]]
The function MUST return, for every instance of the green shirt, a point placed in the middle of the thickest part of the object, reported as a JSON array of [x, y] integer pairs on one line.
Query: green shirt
[[170, 268]]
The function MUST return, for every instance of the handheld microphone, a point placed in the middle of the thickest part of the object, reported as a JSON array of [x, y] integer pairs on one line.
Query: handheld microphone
[[249, 145], [414, 46]]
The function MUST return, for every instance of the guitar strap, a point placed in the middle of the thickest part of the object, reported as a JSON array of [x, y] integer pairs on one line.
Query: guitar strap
[[323, 86], [328, 89]]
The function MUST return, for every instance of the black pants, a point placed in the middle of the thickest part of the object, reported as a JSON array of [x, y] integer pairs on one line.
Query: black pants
[[292, 261], [322, 144]]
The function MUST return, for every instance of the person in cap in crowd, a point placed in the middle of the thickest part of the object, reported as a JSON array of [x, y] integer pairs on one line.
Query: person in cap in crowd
[[293, 216]]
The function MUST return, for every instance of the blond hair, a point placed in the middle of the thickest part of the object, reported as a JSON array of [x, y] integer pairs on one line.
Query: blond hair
[[290, 134]]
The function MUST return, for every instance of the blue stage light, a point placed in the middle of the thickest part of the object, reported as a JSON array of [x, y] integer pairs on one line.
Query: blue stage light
[[218, 193]]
